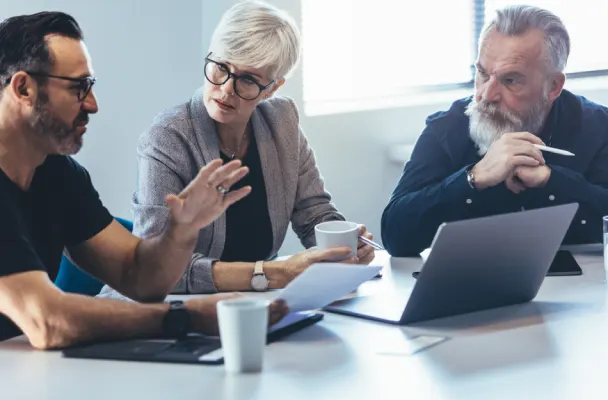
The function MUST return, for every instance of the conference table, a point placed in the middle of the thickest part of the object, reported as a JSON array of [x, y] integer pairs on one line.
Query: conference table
[[555, 347]]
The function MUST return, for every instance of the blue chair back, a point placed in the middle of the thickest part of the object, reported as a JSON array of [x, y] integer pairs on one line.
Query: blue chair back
[[74, 280]]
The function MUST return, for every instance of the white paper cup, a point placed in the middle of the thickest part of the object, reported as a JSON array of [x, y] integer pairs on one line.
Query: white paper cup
[[337, 234], [243, 327]]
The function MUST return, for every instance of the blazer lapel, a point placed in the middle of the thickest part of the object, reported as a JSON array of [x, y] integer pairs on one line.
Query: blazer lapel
[[204, 128], [209, 146], [273, 177]]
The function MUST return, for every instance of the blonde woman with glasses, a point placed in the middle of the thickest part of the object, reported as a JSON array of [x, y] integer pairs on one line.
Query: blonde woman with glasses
[[236, 115]]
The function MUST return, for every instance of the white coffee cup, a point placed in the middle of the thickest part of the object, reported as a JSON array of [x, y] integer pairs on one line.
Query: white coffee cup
[[338, 234], [243, 327]]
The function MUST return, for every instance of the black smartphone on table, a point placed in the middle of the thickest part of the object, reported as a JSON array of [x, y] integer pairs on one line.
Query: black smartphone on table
[[564, 264]]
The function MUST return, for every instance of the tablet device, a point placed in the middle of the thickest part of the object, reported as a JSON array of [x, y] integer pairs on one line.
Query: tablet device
[[194, 349]]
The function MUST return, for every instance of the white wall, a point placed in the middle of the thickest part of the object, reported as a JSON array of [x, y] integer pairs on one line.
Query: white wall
[[148, 62]]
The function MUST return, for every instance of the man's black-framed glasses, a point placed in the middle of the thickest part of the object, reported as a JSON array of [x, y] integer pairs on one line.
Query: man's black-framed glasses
[[84, 84], [245, 85]]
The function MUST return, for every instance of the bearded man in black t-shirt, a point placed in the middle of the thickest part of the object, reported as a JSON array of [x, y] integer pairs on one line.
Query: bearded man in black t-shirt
[[48, 206]]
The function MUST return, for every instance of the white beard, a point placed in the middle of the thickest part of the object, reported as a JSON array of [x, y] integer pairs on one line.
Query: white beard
[[487, 123]]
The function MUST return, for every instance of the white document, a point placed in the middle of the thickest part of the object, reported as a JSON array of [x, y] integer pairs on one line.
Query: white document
[[321, 284], [425, 254]]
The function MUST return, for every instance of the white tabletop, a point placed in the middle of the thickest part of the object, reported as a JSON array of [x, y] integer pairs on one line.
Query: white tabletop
[[553, 348]]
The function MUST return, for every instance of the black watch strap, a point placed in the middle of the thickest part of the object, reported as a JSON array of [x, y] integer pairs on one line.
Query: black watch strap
[[176, 322]]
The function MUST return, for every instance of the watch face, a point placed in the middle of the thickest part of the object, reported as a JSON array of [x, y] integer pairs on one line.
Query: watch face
[[259, 283]]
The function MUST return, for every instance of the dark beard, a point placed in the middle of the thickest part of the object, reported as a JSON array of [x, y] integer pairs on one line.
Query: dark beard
[[63, 138]]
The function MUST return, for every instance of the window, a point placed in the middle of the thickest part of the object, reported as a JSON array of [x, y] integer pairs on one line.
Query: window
[[585, 21], [362, 49]]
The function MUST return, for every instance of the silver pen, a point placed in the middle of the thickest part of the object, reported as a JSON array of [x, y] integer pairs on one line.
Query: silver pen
[[371, 243]]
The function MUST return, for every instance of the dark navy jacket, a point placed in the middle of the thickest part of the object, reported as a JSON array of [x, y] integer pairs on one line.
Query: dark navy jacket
[[433, 187]]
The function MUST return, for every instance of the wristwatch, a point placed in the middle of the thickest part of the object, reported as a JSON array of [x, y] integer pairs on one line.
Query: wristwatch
[[176, 323], [259, 283], [471, 178]]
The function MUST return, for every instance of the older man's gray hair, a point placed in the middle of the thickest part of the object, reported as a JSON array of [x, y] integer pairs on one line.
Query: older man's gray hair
[[516, 20], [258, 35]]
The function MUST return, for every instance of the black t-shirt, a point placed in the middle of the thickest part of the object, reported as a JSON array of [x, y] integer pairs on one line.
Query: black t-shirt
[[61, 208], [248, 229]]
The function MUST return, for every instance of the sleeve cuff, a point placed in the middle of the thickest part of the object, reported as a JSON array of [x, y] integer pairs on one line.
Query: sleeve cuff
[[456, 188], [565, 183], [198, 279], [108, 293]]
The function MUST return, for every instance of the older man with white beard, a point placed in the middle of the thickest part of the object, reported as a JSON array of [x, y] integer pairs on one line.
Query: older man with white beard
[[479, 159]]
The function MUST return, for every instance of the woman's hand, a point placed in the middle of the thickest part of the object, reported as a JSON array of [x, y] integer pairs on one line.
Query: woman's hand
[[365, 252], [288, 270]]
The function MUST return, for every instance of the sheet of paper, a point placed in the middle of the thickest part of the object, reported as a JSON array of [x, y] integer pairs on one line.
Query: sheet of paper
[[425, 254], [323, 283]]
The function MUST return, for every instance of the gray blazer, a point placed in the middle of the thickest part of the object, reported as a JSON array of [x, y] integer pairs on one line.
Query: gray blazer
[[184, 138]]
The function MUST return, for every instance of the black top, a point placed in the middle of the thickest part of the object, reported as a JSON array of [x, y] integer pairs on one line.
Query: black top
[[433, 187], [60, 209], [248, 229]]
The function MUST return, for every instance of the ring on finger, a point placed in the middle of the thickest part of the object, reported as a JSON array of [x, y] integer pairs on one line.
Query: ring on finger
[[221, 189]]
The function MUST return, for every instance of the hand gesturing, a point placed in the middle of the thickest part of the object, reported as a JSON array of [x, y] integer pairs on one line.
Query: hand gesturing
[[208, 195]]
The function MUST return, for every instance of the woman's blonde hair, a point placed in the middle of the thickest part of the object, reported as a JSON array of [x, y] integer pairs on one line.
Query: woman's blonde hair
[[258, 35]]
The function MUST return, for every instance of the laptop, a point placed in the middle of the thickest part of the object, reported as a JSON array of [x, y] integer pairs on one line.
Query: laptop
[[194, 349], [474, 265]]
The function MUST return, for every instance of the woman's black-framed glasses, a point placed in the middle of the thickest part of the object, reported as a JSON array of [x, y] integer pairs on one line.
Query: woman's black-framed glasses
[[245, 86], [84, 84]]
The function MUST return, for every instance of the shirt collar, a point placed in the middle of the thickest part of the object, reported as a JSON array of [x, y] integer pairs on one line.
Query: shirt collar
[[551, 122]]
